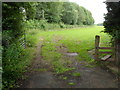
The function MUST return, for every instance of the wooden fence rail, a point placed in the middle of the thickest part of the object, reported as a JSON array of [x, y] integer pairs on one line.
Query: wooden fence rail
[[97, 52]]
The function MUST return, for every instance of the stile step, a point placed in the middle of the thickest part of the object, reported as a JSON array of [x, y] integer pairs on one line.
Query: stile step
[[106, 57]]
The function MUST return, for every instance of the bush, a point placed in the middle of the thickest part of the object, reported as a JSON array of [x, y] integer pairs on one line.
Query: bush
[[62, 25], [11, 58], [44, 25], [36, 24], [50, 26], [41, 24], [15, 60]]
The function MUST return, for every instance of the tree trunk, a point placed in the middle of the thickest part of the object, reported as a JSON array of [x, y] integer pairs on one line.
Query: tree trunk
[[117, 52]]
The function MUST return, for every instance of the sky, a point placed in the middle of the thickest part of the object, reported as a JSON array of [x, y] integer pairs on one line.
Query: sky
[[97, 8]]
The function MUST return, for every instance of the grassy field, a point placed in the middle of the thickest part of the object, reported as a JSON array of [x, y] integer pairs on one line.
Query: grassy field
[[79, 40]]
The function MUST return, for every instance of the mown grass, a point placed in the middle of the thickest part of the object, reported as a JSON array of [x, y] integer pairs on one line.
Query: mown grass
[[79, 40]]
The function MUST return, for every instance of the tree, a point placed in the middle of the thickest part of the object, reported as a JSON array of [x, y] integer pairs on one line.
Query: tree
[[74, 14], [112, 19], [88, 17], [112, 25], [13, 18], [81, 16], [51, 14], [30, 8], [70, 14]]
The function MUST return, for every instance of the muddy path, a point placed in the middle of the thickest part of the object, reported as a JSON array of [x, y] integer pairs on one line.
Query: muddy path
[[41, 73]]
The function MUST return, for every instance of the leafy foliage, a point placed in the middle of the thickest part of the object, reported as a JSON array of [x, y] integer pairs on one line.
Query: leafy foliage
[[112, 19], [75, 14], [66, 12], [15, 57], [12, 23], [36, 24], [51, 14], [13, 19], [44, 25], [77, 74]]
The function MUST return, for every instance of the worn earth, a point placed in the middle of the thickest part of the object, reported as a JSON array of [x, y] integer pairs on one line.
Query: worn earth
[[88, 77]]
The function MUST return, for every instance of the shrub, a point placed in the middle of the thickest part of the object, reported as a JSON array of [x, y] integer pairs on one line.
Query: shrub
[[44, 25], [36, 24]]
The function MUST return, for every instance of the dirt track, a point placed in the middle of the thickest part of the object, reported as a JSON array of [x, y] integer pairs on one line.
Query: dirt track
[[91, 77]]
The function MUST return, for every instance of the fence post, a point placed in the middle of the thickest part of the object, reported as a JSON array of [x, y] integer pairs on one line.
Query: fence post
[[97, 41]]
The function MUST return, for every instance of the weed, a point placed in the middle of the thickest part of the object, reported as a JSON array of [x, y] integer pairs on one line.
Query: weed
[[65, 78], [77, 74], [90, 66], [71, 83]]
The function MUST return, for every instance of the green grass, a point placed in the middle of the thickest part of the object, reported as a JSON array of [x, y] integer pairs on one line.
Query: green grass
[[77, 74], [71, 83], [65, 78], [79, 40]]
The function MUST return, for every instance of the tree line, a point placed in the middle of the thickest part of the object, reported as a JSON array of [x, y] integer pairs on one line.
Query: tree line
[[54, 12], [66, 12]]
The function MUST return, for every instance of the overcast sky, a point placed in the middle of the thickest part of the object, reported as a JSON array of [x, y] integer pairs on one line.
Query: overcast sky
[[97, 8]]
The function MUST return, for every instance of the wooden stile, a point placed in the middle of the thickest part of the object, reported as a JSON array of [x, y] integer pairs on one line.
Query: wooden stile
[[97, 52], [106, 57]]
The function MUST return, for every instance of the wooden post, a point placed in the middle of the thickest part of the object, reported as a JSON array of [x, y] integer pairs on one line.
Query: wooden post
[[97, 41], [117, 58]]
